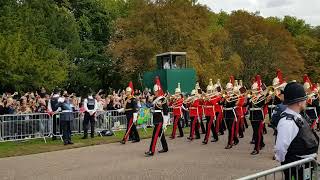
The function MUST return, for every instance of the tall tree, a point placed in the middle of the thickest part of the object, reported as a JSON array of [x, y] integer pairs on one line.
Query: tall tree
[[263, 47], [37, 41], [153, 27]]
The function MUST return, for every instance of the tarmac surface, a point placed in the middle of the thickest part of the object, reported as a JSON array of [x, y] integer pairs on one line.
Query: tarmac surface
[[185, 160]]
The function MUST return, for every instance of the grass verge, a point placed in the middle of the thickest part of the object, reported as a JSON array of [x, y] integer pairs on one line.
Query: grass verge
[[19, 148]]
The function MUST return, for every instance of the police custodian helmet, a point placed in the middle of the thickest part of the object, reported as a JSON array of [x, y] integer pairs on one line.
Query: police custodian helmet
[[294, 93]]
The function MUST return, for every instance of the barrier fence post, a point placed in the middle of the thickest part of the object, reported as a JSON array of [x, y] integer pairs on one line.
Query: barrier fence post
[[1, 128]]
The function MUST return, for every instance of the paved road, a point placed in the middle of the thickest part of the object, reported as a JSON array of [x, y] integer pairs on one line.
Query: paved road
[[185, 161]]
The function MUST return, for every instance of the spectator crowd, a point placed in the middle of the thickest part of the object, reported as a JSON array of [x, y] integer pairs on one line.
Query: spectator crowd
[[38, 101]]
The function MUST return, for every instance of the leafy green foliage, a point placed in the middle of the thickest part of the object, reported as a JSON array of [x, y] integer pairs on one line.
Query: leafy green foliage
[[37, 41], [93, 44]]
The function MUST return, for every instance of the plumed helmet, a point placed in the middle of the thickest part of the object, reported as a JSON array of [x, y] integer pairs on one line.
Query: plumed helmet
[[307, 82], [197, 86], [210, 87], [254, 86], [236, 86], [178, 89], [128, 89], [193, 92], [156, 88], [240, 83], [229, 86], [276, 81]]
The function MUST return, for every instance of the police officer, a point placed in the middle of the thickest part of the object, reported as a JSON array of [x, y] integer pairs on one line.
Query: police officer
[[66, 117], [295, 139], [90, 106], [160, 117]]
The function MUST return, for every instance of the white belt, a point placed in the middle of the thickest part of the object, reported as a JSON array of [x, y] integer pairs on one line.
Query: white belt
[[271, 106], [66, 111], [255, 109], [157, 111], [311, 108], [209, 106], [228, 109], [193, 108]]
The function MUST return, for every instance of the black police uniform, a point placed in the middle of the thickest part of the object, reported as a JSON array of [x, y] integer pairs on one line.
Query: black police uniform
[[91, 103], [305, 143], [160, 109], [256, 118]]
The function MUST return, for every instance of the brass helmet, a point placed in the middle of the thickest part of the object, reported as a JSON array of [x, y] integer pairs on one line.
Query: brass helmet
[[197, 86], [236, 87], [178, 89], [229, 86], [156, 88], [128, 89], [240, 83], [210, 87], [193, 92], [307, 83]]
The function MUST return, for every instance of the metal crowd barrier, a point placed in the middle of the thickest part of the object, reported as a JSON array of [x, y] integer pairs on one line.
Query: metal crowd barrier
[[41, 125], [305, 169], [25, 126]]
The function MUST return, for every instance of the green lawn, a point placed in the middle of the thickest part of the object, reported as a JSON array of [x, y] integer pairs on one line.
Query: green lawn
[[19, 148]]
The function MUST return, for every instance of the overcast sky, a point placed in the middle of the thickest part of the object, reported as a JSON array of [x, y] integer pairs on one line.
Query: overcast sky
[[309, 10]]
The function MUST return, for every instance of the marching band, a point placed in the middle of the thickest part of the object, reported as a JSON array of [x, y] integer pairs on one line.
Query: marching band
[[223, 110]]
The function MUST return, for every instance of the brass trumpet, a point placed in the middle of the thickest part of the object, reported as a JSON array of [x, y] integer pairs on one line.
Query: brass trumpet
[[191, 99]]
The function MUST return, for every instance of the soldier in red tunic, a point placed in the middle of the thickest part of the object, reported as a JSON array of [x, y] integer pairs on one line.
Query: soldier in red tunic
[[220, 127], [200, 109], [209, 110], [176, 104], [193, 102], [239, 90]]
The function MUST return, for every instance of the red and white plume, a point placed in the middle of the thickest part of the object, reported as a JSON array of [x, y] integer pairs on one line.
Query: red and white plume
[[232, 80], [259, 82], [158, 87], [306, 79], [280, 76], [307, 83], [131, 86]]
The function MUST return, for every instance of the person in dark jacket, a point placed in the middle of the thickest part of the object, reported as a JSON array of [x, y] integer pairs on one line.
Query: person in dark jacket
[[160, 117], [296, 139]]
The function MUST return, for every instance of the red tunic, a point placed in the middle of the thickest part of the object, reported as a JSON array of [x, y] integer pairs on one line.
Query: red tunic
[[193, 108], [217, 106], [210, 106], [176, 106], [239, 109], [200, 108]]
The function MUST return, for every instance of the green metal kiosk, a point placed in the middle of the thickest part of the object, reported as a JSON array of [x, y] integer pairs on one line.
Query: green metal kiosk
[[172, 68]]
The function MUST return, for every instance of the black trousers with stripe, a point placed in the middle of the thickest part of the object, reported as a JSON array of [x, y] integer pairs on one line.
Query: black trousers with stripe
[[158, 132]]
